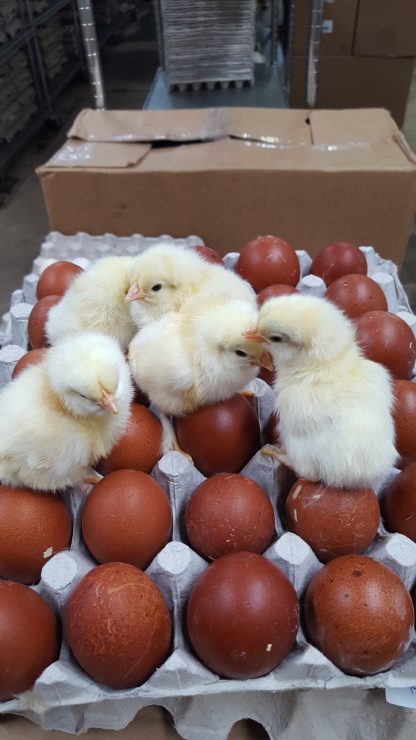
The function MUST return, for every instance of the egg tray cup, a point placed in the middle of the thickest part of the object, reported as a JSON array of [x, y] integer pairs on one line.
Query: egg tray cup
[[204, 706]]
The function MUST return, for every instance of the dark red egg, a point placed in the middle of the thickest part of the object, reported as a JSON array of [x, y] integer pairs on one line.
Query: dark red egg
[[127, 517], [30, 358], [338, 259], [28, 638], [387, 339], [38, 318], [267, 261], [220, 438], [273, 291], [399, 503], [140, 447], [208, 254], [333, 521], [272, 430], [34, 525], [243, 616], [118, 625], [57, 278], [359, 614], [228, 513], [404, 415], [356, 294]]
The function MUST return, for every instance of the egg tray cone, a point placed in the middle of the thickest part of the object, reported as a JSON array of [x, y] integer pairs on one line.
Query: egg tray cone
[[64, 697]]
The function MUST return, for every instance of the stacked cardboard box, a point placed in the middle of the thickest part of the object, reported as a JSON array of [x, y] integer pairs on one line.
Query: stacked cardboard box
[[366, 58]]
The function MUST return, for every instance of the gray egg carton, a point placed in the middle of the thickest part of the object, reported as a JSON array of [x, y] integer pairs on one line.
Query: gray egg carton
[[204, 706]]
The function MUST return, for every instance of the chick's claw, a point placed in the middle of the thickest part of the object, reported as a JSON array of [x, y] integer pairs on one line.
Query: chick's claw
[[277, 453]]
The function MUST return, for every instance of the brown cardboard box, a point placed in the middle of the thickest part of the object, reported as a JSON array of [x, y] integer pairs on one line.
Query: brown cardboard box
[[354, 82], [229, 174], [386, 28], [339, 18]]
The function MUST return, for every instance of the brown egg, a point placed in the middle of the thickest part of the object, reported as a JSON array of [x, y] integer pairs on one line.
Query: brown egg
[[140, 446], [243, 616], [338, 259], [268, 260], [272, 430], [34, 525], [28, 638], [210, 255], [118, 625], [221, 438], [30, 358], [387, 339], [273, 291], [404, 415], [127, 517], [228, 513], [333, 521], [38, 318], [57, 278], [359, 614], [356, 294], [399, 503]]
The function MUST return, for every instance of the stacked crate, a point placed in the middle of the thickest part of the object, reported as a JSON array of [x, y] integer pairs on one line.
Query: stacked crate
[[17, 96]]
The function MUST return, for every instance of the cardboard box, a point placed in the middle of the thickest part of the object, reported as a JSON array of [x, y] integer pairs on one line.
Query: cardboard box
[[386, 28], [339, 18], [229, 174], [355, 82]]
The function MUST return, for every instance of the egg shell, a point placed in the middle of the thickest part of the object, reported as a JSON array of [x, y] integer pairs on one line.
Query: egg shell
[[404, 415], [28, 638], [356, 294], [221, 438], [274, 291], [208, 254], [268, 260], [57, 278], [34, 525], [139, 447], [30, 358], [118, 625], [359, 614], [387, 339], [38, 318], [338, 259], [242, 616], [399, 503], [127, 517], [228, 513], [333, 521]]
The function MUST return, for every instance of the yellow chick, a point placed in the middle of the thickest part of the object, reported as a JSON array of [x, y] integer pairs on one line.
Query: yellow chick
[[61, 416], [96, 301], [163, 277], [334, 405]]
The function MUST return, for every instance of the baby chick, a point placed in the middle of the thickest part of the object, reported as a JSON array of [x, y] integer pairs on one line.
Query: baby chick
[[95, 300], [163, 277], [334, 404], [61, 416], [205, 353]]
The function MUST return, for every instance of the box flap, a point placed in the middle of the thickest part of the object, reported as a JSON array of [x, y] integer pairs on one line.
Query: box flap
[[343, 127], [98, 155], [283, 128]]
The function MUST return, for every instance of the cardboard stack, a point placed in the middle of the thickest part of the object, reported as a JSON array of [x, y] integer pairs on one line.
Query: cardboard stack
[[367, 53]]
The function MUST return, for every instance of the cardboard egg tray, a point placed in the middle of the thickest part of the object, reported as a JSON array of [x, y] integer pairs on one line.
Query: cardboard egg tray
[[204, 706]]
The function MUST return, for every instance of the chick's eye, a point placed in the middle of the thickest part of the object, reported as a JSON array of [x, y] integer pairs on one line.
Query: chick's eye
[[157, 287], [240, 353], [82, 396], [276, 339]]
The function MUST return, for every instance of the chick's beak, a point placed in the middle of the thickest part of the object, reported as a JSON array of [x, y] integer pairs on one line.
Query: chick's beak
[[134, 293], [254, 336], [107, 403], [264, 360]]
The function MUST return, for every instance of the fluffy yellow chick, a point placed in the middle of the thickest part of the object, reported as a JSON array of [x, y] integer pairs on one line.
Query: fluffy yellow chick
[[61, 416], [334, 405], [95, 300], [163, 277]]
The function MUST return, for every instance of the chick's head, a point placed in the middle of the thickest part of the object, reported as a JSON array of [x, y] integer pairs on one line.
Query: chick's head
[[304, 328], [88, 373]]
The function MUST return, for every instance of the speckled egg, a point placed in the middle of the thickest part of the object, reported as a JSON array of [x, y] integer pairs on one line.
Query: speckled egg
[[399, 503], [359, 614], [28, 638], [356, 294], [228, 513], [387, 339], [57, 278], [333, 521], [118, 625], [38, 318], [34, 525], [338, 259], [242, 616], [140, 447], [273, 291], [268, 260], [127, 517], [221, 438], [404, 415], [30, 358], [208, 254]]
